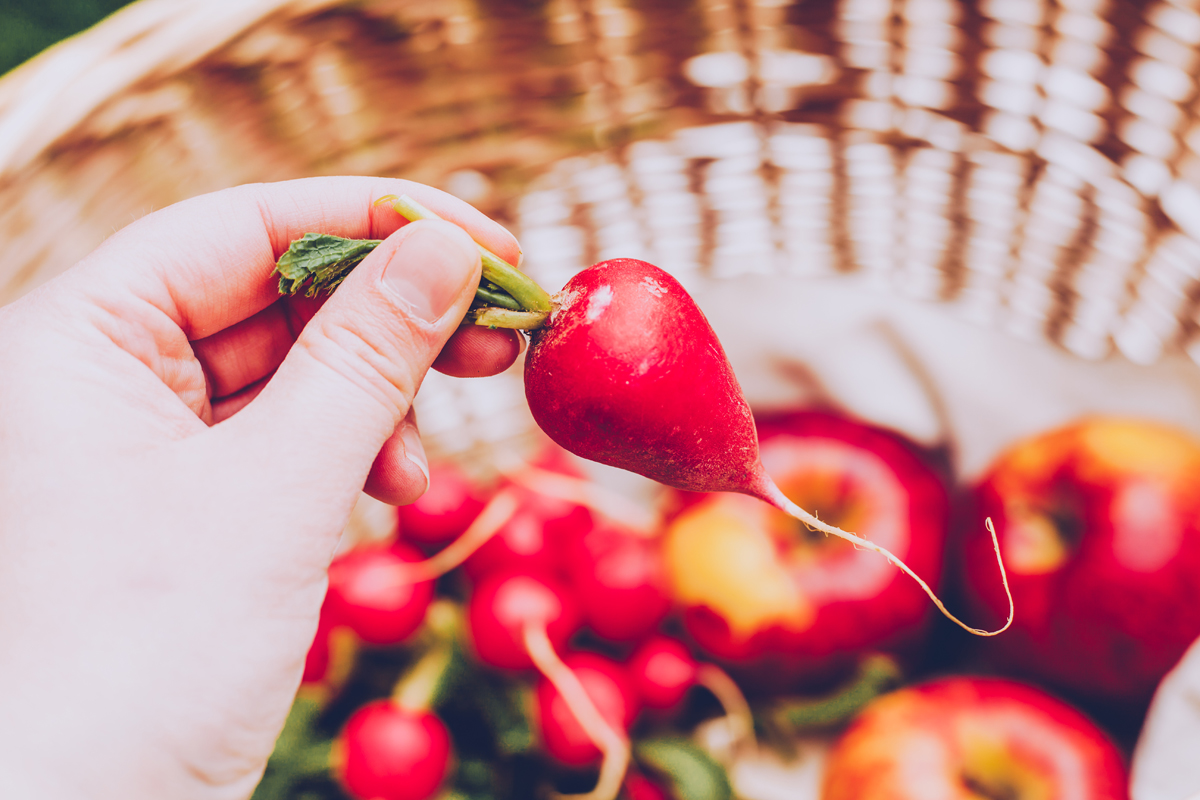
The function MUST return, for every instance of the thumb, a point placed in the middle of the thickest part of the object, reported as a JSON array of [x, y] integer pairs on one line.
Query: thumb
[[350, 378]]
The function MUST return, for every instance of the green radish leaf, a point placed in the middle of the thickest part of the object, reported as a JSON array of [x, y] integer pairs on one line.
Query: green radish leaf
[[318, 262], [300, 752], [692, 773], [504, 706], [877, 673]]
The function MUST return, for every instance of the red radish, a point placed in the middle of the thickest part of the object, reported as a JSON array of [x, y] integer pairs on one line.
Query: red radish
[[388, 752], [608, 687], [450, 504], [505, 604], [518, 620], [628, 372], [663, 670], [373, 591], [619, 578], [532, 538]]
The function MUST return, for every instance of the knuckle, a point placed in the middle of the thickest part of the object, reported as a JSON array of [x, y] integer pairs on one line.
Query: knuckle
[[384, 361]]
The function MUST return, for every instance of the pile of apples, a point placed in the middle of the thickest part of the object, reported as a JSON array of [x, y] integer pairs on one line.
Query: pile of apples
[[456, 683]]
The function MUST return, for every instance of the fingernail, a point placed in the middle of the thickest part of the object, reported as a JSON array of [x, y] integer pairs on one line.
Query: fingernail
[[414, 450], [431, 268]]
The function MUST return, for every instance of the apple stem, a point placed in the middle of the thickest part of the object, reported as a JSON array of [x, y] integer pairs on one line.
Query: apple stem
[[495, 514], [739, 719], [773, 495], [613, 745], [588, 494]]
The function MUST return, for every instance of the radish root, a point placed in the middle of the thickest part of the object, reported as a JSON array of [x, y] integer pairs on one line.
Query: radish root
[[773, 495], [739, 718], [613, 745], [495, 514]]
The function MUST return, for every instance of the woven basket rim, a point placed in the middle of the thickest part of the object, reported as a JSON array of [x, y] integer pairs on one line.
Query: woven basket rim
[[47, 97]]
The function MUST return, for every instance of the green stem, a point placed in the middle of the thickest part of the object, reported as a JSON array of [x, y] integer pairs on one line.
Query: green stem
[[417, 689], [423, 684], [503, 318], [495, 298], [528, 294], [876, 674]]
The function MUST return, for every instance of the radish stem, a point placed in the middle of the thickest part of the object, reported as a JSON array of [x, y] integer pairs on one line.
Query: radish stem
[[614, 746], [416, 689], [773, 495], [528, 294], [490, 317]]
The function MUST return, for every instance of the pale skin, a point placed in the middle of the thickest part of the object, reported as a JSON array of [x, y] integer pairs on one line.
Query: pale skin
[[179, 452]]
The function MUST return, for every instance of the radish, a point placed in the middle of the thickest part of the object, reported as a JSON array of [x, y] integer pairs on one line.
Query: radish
[[520, 620], [397, 748], [628, 372], [623, 369], [376, 592], [619, 578], [663, 671], [610, 690], [388, 752], [505, 606], [448, 506], [531, 538]]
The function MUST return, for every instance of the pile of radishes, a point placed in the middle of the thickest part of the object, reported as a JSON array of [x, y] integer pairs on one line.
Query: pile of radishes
[[468, 685]]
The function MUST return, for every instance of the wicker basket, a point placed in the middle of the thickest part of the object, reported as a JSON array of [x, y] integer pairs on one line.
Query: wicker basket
[[1030, 165]]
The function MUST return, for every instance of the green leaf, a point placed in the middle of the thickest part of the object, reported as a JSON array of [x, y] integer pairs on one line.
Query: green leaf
[[877, 673], [692, 773], [503, 706], [300, 752], [318, 262]]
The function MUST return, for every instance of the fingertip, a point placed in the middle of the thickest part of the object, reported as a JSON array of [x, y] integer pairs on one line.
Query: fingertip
[[477, 352], [400, 472]]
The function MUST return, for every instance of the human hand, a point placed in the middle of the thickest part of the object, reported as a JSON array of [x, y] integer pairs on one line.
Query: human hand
[[179, 451]]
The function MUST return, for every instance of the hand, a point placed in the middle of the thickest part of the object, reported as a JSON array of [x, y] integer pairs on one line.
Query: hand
[[179, 451]]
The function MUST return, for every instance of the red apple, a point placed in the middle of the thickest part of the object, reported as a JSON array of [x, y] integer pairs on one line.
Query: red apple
[[754, 581], [1099, 526], [968, 738]]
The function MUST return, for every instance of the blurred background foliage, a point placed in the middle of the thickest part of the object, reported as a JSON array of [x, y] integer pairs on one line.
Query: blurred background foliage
[[28, 27]]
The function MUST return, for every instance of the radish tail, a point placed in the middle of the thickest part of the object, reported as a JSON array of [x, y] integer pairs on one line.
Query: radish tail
[[739, 719], [768, 491], [612, 744], [495, 514]]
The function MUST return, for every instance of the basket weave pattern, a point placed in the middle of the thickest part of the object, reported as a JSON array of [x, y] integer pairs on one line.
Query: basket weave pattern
[[1036, 163]]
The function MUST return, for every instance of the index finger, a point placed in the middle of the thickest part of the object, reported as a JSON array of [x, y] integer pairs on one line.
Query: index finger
[[207, 262]]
